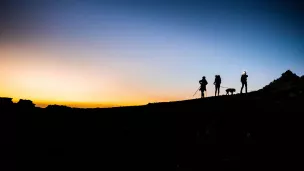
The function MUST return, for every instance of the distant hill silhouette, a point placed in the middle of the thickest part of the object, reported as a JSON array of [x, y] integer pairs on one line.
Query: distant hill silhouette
[[57, 107], [288, 82], [6, 101], [25, 103]]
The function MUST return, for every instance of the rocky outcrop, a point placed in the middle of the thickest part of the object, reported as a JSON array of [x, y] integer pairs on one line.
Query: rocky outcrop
[[287, 82], [6, 101], [57, 107], [25, 103]]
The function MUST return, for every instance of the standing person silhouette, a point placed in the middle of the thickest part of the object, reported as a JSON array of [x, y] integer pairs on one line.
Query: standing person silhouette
[[244, 81], [203, 82], [217, 83]]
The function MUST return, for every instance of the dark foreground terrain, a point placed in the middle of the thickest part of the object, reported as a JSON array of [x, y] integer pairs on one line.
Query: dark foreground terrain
[[259, 130]]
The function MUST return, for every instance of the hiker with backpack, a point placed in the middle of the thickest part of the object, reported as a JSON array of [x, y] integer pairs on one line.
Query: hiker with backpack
[[217, 83]]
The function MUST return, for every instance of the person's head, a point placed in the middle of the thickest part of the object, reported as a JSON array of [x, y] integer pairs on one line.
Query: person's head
[[244, 72], [204, 77]]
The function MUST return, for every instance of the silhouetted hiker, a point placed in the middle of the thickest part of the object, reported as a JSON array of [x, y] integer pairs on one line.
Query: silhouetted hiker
[[203, 84], [217, 83], [244, 81]]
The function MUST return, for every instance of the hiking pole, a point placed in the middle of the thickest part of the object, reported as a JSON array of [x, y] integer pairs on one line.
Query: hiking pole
[[196, 91]]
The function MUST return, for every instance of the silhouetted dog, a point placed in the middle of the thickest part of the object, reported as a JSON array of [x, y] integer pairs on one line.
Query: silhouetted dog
[[231, 90]]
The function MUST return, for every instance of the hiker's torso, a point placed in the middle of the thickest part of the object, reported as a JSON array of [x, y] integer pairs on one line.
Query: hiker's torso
[[217, 81], [203, 84], [244, 78]]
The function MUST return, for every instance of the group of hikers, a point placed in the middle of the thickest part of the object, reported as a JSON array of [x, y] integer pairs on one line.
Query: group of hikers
[[217, 82]]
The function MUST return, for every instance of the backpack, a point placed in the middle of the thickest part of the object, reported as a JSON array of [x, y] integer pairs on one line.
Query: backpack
[[218, 79]]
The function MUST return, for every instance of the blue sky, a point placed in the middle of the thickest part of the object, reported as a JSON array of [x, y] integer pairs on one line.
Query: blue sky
[[163, 48]]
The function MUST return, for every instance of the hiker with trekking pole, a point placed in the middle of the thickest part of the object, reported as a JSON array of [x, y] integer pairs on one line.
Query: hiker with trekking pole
[[203, 83]]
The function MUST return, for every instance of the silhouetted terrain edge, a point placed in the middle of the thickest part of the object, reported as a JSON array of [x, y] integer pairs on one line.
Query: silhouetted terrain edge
[[261, 129]]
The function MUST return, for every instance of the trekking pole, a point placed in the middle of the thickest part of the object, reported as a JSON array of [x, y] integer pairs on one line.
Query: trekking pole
[[196, 91]]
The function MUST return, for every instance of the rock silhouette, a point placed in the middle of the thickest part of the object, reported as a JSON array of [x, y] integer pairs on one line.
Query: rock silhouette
[[287, 83], [25, 103], [6, 101], [57, 107], [254, 130]]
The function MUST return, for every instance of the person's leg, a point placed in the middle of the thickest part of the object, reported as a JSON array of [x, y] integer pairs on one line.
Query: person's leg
[[246, 87], [218, 91], [242, 88]]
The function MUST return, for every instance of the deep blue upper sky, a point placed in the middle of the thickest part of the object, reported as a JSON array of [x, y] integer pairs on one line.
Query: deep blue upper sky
[[166, 46]]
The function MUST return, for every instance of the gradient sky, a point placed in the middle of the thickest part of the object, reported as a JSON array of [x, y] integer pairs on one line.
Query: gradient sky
[[129, 52]]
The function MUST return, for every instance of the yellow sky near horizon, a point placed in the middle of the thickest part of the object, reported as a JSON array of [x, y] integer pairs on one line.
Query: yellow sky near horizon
[[44, 76]]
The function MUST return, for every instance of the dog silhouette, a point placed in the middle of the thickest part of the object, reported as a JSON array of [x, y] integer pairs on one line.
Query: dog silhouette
[[230, 90]]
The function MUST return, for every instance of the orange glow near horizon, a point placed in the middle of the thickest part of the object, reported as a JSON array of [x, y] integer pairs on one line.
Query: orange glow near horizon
[[46, 78]]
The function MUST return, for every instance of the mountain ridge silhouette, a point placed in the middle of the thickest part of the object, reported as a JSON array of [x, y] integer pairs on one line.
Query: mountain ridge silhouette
[[288, 81]]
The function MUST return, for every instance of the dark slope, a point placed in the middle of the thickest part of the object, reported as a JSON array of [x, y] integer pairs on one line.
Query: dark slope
[[287, 82], [249, 131]]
